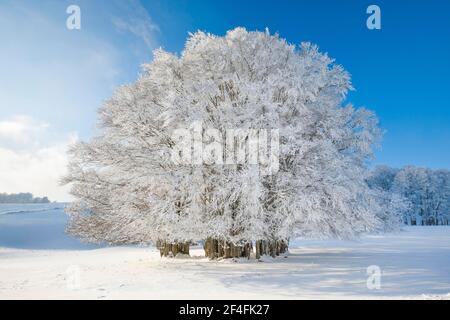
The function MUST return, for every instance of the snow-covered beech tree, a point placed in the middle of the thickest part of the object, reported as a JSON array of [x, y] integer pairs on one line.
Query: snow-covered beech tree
[[382, 177], [143, 178], [440, 214], [422, 195], [429, 194], [392, 206], [126, 189]]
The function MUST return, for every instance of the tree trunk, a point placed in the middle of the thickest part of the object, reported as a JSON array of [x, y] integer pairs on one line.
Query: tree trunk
[[258, 249], [224, 249], [271, 248], [167, 249]]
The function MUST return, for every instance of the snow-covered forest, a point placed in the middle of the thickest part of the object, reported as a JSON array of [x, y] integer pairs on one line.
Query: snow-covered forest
[[423, 195], [132, 186]]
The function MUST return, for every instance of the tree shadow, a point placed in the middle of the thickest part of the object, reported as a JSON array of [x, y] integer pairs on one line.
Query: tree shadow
[[333, 272]]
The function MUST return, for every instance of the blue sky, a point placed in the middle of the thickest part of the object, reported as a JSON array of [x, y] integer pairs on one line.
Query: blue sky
[[53, 79], [401, 71]]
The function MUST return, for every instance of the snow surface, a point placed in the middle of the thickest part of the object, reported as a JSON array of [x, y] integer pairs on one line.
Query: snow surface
[[415, 264], [36, 226]]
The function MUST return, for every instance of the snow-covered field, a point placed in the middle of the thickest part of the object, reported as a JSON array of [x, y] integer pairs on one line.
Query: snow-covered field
[[38, 261]]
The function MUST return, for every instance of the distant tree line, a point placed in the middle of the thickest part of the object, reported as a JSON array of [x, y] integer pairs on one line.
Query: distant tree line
[[24, 197], [424, 194]]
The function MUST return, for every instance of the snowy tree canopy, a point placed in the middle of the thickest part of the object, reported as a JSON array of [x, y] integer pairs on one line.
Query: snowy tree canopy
[[129, 189], [425, 193]]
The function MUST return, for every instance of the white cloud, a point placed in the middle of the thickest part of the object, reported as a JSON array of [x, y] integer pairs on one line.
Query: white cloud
[[32, 164], [56, 79], [20, 131], [62, 75]]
